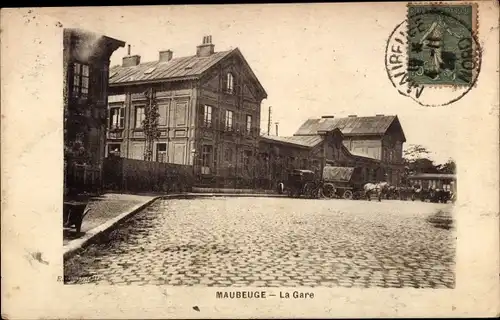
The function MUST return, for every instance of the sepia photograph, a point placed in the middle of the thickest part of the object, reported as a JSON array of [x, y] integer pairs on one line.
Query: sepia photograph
[[264, 153]]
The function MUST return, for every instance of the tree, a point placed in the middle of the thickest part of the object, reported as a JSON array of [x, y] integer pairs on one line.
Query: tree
[[416, 160], [423, 165], [414, 152], [448, 167], [150, 124]]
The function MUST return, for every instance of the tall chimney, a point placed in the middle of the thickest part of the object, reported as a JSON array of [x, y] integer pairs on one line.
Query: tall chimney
[[276, 123], [166, 56], [206, 48], [128, 50]]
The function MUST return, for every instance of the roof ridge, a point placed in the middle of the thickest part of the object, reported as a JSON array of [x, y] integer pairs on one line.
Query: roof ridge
[[175, 58], [375, 116], [175, 68]]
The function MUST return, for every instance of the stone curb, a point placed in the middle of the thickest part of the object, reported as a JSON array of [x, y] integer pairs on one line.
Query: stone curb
[[249, 195], [75, 245], [231, 191]]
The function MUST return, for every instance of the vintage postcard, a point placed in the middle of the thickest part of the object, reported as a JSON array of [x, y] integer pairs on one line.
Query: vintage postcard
[[251, 161]]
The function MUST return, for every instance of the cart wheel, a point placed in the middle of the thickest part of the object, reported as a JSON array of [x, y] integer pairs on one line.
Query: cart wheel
[[309, 190], [348, 195], [318, 193], [357, 195], [329, 191]]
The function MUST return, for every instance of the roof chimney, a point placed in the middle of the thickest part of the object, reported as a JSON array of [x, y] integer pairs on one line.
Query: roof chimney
[[352, 116], [379, 115], [166, 56], [130, 61], [328, 117], [206, 48]]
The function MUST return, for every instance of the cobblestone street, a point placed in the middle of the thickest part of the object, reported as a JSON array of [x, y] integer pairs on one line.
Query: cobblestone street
[[275, 242]]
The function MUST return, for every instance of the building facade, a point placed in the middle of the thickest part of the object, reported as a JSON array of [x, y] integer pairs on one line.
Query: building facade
[[209, 112], [86, 59], [278, 155], [378, 137]]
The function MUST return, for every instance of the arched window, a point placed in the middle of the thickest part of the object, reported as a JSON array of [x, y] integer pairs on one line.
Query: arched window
[[229, 83]]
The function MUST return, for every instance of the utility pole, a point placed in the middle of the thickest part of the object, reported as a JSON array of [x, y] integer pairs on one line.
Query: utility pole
[[269, 122]]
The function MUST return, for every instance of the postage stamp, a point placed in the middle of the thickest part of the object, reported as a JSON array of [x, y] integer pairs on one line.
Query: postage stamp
[[434, 55], [441, 50]]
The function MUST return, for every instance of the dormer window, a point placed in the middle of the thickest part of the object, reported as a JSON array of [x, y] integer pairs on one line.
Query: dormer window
[[150, 70], [229, 83], [190, 65]]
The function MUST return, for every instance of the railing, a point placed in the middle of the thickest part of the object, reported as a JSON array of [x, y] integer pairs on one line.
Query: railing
[[115, 134]]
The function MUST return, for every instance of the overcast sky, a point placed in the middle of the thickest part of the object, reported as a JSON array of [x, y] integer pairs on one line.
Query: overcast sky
[[313, 60]]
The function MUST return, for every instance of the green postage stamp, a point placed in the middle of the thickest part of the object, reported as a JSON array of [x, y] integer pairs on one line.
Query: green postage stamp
[[442, 44]]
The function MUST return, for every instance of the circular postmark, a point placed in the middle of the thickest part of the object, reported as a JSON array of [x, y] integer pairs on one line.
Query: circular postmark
[[434, 56]]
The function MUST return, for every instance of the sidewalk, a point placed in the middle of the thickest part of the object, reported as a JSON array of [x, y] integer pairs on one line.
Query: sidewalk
[[104, 208], [109, 209]]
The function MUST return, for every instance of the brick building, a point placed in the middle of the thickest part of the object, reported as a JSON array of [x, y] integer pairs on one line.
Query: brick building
[[377, 137], [209, 105], [279, 155], [85, 75], [373, 144]]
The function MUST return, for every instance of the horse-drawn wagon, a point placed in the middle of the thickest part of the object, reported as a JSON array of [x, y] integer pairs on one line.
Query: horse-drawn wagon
[[303, 182], [343, 182], [434, 187], [334, 182], [433, 195]]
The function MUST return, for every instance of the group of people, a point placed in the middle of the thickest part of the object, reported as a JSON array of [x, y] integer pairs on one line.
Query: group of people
[[384, 190]]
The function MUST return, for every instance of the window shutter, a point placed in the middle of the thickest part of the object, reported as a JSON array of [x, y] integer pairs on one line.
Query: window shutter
[[122, 117], [201, 114], [223, 119], [224, 82], [237, 86], [75, 79], [109, 117], [94, 83], [215, 117], [215, 155]]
